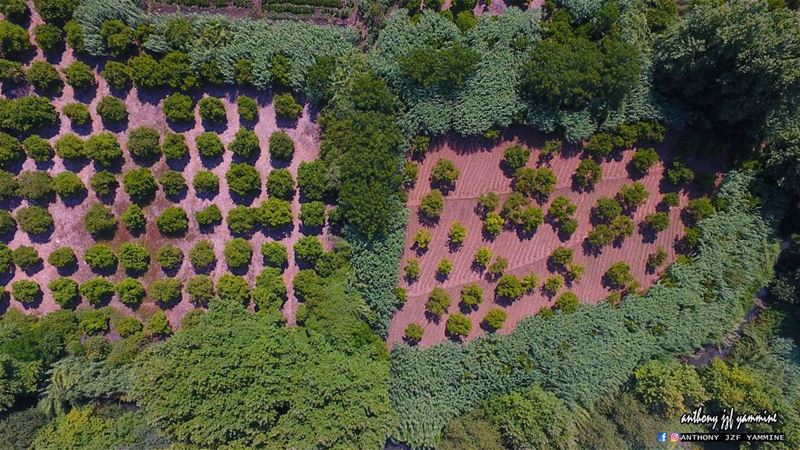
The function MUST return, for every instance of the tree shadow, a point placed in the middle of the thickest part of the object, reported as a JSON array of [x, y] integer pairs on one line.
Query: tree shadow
[[114, 125], [42, 238], [152, 96], [649, 235], [75, 200], [85, 95], [75, 164], [181, 127], [277, 234], [210, 162], [34, 269], [177, 164]]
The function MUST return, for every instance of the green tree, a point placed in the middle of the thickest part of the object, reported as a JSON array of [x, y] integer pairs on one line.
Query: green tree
[[103, 148], [202, 255], [281, 146], [209, 145], [458, 325], [112, 110], [438, 302], [143, 142], [169, 257], [668, 388], [178, 108], [245, 143], [243, 179], [34, 220], [173, 221], [80, 76], [238, 253]]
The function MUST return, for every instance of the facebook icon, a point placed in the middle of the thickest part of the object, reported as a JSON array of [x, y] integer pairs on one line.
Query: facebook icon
[[662, 437]]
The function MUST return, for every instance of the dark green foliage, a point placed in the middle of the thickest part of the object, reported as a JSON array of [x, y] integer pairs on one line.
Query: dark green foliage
[[241, 220], [11, 72], [308, 249], [567, 303], [280, 184], [275, 255], [432, 205], [247, 108], [80, 76], [133, 219], [458, 325], [308, 287], [34, 219], [202, 255], [312, 214], [245, 143], [35, 185], [26, 257], [632, 195], [26, 292], [212, 110], [158, 325], [165, 292], [127, 326], [144, 143], [588, 173], [169, 257], [200, 289], [444, 174], [286, 107], [495, 318], [99, 220], [75, 36], [134, 257], [516, 157], [112, 110], [131, 293], [173, 183], [117, 75], [281, 146], [269, 293], [103, 183], [15, 11], [68, 185], [208, 216], [206, 182], [117, 37], [607, 209], [14, 40], [668, 388], [701, 208], [538, 183], [658, 221], [103, 149], [174, 146], [238, 253], [70, 146], [413, 333], [146, 72], [65, 291], [311, 179], [178, 108], [140, 184], [679, 174], [233, 289], [643, 159], [438, 302], [177, 71], [63, 258], [7, 223], [509, 287], [243, 179], [209, 144], [48, 37], [77, 113], [280, 69], [429, 66], [100, 258], [11, 150], [57, 12], [6, 263], [45, 78], [26, 114], [173, 221], [8, 185]]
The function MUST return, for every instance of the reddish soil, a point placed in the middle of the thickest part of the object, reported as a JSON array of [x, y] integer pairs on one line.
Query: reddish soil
[[480, 172], [146, 110]]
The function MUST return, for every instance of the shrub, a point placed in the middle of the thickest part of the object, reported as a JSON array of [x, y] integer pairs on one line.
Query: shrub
[[561, 209], [679, 174], [537, 183], [414, 332], [35, 185], [275, 255], [509, 287], [26, 257], [312, 214], [567, 303], [457, 233], [247, 108], [103, 149], [458, 325], [643, 160], [26, 292], [133, 219], [286, 107], [488, 203], [422, 239], [165, 292], [281, 146], [495, 319], [158, 325], [100, 258], [6, 259], [200, 289], [128, 326], [169, 257], [234, 289], [7, 223], [438, 302], [209, 145], [63, 258], [99, 220], [671, 199], [530, 219], [15, 10], [173, 221], [619, 275], [11, 150], [103, 183], [178, 108], [471, 295], [177, 71], [432, 205], [588, 174], [80, 76], [140, 184], [516, 157], [701, 208], [212, 109], [65, 291], [410, 173], [270, 290], [38, 149], [280, 184], [143, 142], [658, 221], [482, 257], [444, 174], [134, 257], [561, 256], [8, 186], [68, 185], [243, 179], [238, 253], [444, 267], [208, 216], [412, 269], [34, 219], [131, 292], [14, 38], [607, 209], [493, 224], [657, 259], [112, 110], [202, 255], [117, 37], [308, 249], [45, 78], [70, 146], [245, 143], [146, 72], [633, 195], [12, 73], [26, 115], [175, 147], [311, 179], [77, 113], [57, 12], [206, 182], [241, 220], [553, 284], [74, 33], [48, 37], [173, 183], [117, 75], [513, 207]]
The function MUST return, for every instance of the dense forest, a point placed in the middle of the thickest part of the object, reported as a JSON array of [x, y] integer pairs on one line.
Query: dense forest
[[243, 369]]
